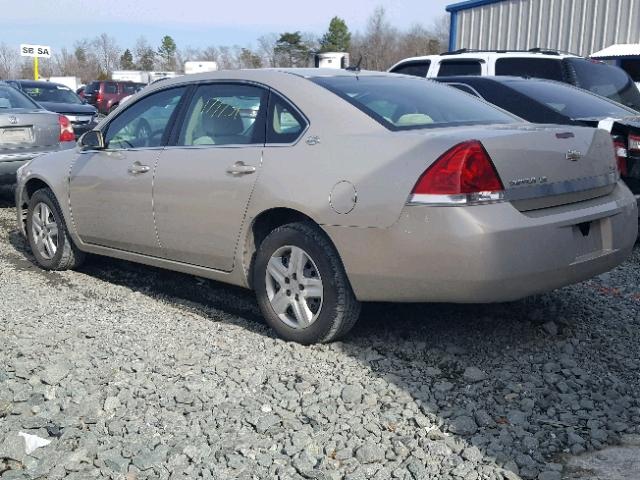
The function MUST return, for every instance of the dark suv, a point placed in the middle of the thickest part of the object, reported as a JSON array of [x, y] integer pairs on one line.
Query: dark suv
[[105, 95]]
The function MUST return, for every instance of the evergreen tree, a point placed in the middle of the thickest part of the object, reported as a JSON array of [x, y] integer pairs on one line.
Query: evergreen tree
[[337, 38], [167, 53], [291, 51], [126, 60]]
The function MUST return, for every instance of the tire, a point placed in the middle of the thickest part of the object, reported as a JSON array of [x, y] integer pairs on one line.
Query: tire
[[331, 303], [48, 216], [113, 107]]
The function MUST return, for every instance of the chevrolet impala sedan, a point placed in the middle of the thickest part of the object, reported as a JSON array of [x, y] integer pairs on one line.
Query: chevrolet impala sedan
[[322, 189]]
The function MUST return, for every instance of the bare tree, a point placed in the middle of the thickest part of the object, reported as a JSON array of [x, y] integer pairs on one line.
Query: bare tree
[[417, 41], [267, 48], [378, 44], [145, 55], [440, 31], [108, 53], [9, 61], [210, 54], [65, 63]]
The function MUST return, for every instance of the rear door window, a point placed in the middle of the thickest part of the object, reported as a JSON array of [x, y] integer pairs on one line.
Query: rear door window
[[417, 68], [92, 88], [129, 88], [285, 124], [110, 87], [549, 68], [225, 114], [450, 68]]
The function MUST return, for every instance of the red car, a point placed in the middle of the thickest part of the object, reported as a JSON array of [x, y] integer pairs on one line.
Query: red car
[[105, 95]]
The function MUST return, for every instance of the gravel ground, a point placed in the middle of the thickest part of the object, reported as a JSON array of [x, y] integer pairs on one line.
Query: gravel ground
[[137, 373]]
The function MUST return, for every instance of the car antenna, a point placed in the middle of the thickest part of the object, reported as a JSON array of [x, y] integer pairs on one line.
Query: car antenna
[[356, 67]]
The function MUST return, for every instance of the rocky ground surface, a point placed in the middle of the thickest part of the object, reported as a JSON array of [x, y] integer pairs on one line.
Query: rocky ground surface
[[137, 373]]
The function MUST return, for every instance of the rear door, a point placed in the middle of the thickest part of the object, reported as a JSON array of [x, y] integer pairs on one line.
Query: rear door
[[111, 189], [203, 182]]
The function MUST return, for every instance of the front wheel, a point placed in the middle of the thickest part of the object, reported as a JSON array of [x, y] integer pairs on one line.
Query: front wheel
[[47, 233], [301, 285]]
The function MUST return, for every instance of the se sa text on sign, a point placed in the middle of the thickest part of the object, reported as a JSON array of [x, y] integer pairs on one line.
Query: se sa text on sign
[[43, 51]]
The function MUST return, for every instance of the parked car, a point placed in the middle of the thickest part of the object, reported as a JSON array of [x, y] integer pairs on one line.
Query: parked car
[[106, 95], [593, 75], [27, 130], [548, 101], [58, 98], [320, 189]]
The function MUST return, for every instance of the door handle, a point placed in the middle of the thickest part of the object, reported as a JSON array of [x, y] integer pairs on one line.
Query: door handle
[[239, 168], [138, 168]]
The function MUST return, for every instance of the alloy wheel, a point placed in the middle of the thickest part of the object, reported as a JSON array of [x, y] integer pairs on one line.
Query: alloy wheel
[[44, 231], [294, 286]]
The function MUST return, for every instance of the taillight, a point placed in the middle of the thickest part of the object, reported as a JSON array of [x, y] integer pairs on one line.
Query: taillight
[[66, 130], [634, 143], [620, 150], [98, 97], [463, 175]]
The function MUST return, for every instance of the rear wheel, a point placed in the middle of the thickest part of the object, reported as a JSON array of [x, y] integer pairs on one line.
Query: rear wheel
[[301, 285], [47, 234]]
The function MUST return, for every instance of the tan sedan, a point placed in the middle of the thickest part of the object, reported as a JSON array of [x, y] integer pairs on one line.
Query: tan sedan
[[323, 189]]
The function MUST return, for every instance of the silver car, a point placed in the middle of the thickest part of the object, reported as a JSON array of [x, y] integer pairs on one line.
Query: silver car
[[322, 189], [27, 130]]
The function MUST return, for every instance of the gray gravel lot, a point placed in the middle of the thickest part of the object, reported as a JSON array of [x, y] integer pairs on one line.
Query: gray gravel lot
[[137, 373]]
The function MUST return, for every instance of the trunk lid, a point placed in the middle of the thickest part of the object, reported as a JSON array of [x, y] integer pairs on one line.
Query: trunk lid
[[27, 131], [544, 166]]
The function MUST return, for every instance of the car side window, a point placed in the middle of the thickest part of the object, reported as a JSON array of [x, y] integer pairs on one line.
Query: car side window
[[110, 87], [224, 114], [550, 68], [417, 68], [459, 67], [144, 123], [284, 122]]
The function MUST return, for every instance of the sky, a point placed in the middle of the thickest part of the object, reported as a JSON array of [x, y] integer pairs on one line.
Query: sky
[[196, 23]]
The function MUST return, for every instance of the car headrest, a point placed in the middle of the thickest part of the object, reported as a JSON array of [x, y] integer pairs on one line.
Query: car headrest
[[219, 119]]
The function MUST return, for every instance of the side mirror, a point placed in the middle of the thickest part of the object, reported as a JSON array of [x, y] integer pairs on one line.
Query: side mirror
[[91, 140]]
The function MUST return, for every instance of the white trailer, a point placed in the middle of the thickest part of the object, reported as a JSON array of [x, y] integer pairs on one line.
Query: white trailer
[[72, 82], [199, 67], [332, 60], [130, 76]]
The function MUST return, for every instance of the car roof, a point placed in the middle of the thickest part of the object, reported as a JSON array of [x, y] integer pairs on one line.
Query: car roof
[[39, 83], [484, 53], [264, 75]]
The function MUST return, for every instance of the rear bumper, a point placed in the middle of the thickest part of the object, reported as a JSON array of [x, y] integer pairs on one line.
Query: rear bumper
[[11, 162], [490, 253]]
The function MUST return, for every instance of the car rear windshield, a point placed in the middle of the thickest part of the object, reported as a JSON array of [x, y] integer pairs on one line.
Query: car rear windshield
[[405, 103], [52, 93], [12, 98], [550, 68], [606, 80], [569, 101], [92, 88]]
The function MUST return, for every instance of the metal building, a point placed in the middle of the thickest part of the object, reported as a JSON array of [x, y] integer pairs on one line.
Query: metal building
[[577, 26]]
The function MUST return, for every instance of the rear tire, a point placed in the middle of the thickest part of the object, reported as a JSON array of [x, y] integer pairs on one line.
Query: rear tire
[[47, 234], [301, 286]]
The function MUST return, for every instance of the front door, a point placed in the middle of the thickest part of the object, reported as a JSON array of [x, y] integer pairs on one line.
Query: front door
[[111, 189], [204, 181]]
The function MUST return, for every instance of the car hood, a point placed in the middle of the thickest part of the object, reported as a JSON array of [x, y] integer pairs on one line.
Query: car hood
[[70, 108]]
